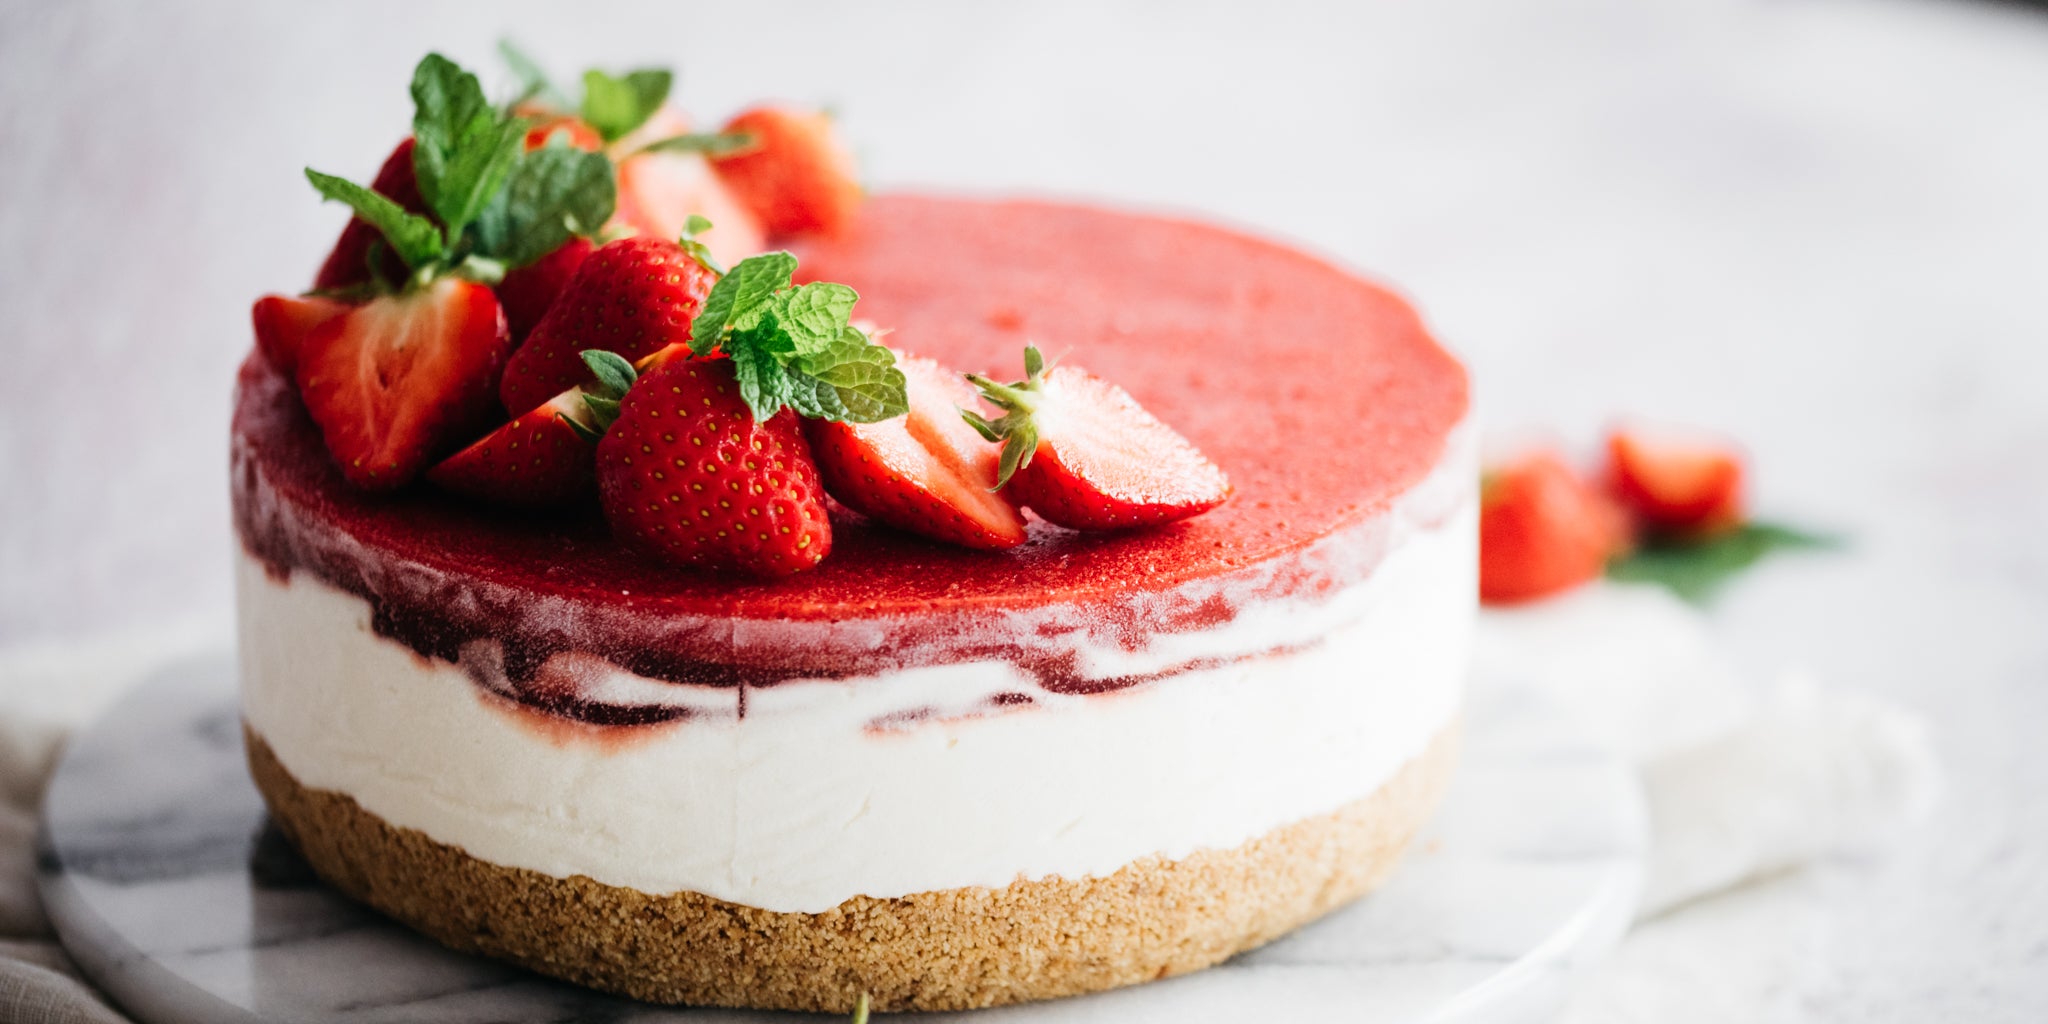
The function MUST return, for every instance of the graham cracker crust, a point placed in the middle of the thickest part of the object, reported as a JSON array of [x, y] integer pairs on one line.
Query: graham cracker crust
[[945, 950]]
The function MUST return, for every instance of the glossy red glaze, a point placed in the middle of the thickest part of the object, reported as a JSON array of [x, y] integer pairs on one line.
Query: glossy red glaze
[[1319, 393]]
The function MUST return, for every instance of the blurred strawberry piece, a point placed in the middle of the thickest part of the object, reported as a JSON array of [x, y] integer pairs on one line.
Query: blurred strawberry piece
[[1676, 481], [1542, 529], [797, 176]]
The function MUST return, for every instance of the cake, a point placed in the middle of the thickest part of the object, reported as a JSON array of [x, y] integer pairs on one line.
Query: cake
[[940, 777]]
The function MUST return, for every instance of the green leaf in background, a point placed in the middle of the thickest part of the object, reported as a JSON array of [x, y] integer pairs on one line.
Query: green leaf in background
[[534, 83], [707, 143], [1695, 570], [616, 106], [414, 238], [464, 148], [553, 193]]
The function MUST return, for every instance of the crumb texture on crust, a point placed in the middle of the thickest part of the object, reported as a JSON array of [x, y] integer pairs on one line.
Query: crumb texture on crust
[[946, 950]]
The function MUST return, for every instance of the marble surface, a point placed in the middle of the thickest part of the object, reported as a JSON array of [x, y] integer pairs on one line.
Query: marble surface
[[170, 891]]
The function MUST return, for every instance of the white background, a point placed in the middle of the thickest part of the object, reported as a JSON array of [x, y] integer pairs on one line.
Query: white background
[[1821, 225]]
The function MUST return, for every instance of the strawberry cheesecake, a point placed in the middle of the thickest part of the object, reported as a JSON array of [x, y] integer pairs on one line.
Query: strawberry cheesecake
[[766, 658]]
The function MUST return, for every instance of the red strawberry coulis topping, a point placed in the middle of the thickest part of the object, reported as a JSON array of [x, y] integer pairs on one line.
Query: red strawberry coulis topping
[[1246, 348]]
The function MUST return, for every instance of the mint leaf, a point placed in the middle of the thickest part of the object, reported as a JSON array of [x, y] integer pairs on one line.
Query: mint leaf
[[463, 147], [414, 238], [853, 380], [764, 385], [814, 315], [737, 300], [707, 143], [533, 79], [616, 106], [553, 194], [1696, 570], [795, 346]]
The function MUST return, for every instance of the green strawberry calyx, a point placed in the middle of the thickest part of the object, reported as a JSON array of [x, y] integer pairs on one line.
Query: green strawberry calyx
[[492, 204], [1015, 430], [614, 377]]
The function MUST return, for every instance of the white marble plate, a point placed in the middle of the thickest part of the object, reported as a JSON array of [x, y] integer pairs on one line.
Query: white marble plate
[[171, 892]]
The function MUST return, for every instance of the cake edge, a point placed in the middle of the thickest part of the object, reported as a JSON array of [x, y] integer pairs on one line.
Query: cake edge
[[945, 950]]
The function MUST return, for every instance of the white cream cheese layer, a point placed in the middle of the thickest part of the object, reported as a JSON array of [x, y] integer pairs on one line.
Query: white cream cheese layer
[[884, 786]]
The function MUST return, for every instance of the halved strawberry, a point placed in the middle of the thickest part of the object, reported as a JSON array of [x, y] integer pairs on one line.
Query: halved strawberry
[[1679, 482], [634, 297], [797, 176], [659, 191], [688, 474], [349, 263], [527, 292], [1081, 452], [282, 323], [1542, 529], [537, 459], [927, 472], [396, 381]]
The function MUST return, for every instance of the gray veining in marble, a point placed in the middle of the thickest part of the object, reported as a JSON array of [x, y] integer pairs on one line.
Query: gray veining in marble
[[171, 891]]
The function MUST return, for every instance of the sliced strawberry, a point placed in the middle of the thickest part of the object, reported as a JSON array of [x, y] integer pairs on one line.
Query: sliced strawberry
[[396, 381], [349, 263], [537, 459], [1542, 529], [1677, 482], [797, 176], [634, 297], [927, 472], [1081, 452], [687, 474], [527, 292], [282, 323], [660, 191]]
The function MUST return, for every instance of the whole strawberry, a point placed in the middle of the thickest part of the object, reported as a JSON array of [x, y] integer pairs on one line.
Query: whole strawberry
[[687, 473], [634, 297], [1081, 452], [528, 292]]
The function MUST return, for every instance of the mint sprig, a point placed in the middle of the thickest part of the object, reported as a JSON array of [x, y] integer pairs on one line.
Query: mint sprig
[[796, 347], [492, 205], [1696, 570]]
